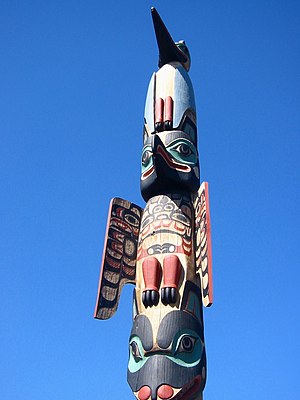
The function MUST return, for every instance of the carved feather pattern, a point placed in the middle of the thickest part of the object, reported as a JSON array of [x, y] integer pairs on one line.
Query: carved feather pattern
[[203, 243], [119, 255]]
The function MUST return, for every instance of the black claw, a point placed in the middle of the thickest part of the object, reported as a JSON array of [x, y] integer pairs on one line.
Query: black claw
[[148, 298], [163, 296], [173, 295], [168, 125], [168, 295], [144, 299], [154, 297], [159, 126]]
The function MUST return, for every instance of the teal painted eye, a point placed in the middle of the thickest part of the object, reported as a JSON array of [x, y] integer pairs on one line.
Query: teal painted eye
[[187, 348], [184, 151], [135, 351], [147, 160], [186, 344], [136, 354]]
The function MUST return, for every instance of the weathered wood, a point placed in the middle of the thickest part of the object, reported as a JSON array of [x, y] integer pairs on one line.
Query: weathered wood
[[203, 243], [165, 249], [119, 255]]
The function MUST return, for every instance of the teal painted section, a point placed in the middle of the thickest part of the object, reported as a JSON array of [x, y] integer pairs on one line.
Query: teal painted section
[[136, 355], [184, 151], [187, 348]]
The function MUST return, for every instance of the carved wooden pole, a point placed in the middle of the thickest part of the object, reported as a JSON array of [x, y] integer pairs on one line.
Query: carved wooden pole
[[165, 249]]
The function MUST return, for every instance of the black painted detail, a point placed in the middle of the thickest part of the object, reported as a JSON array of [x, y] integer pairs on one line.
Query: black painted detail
[[168, 295], [168, 51], [169, 176], [159, 126], [150, 298], [159, 369], [168, 125]]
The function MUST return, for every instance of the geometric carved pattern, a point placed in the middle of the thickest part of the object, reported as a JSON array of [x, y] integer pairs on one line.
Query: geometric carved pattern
[[119, 255], [165, 249], [203, 243]]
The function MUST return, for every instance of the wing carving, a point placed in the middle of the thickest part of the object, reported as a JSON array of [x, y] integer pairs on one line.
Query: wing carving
[[119, 255], [203, 244]]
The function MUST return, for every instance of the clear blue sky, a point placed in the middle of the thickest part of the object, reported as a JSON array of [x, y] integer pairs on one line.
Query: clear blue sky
[[73, 80]]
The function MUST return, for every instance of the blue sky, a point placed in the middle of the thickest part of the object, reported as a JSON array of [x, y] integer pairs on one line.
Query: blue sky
[[73, 78]]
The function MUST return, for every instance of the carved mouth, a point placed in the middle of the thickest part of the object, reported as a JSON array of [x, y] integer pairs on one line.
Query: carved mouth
[[171, 163], [189, 389]]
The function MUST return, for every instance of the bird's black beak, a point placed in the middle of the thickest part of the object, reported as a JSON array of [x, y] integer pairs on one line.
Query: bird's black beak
[[168, 51]]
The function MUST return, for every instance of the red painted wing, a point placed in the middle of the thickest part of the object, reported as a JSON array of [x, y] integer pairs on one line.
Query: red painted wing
[[119, 255]]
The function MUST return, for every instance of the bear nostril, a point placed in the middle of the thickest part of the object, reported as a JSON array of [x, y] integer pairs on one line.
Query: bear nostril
[[144, 393], [165, 392]]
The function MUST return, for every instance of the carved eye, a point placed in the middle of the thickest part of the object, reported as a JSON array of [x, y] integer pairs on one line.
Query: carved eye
[[184, 149], [135, 351], [146, 156], [131, 219], [187, 348], [136, 355], [186, 344]]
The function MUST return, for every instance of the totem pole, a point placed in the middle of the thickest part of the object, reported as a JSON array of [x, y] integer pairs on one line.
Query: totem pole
[[165, 248]]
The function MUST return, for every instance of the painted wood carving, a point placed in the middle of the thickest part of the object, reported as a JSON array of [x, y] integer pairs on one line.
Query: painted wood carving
[[165, 248]]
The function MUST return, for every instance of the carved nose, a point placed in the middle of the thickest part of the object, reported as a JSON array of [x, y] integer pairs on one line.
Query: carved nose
[[144, 393], [165, 392]]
